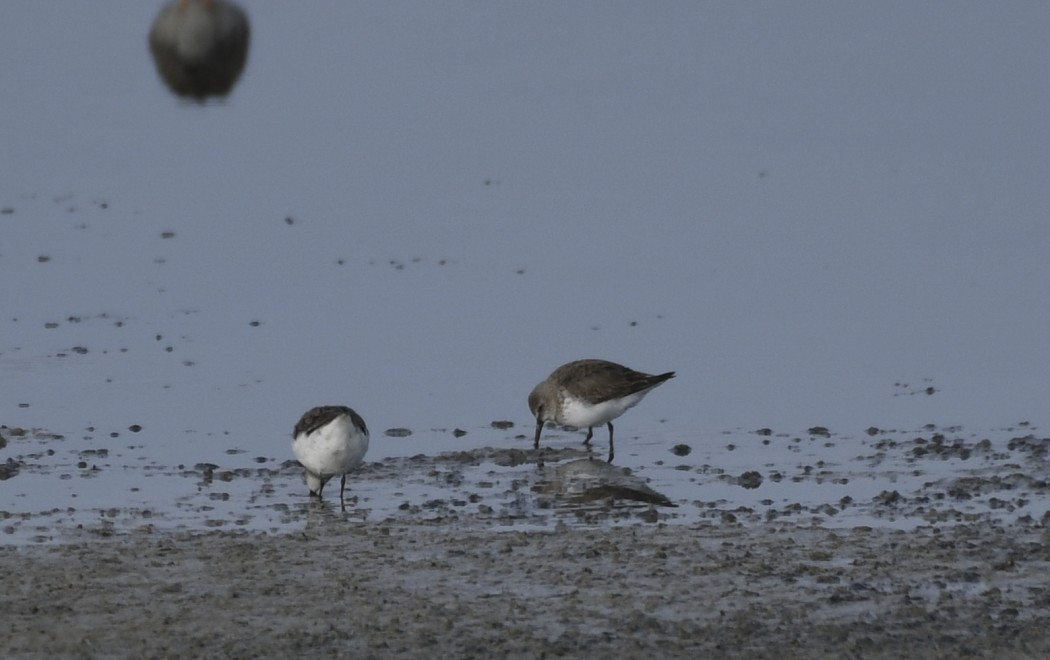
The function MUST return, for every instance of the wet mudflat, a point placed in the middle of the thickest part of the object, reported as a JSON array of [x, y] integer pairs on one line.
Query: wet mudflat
[[65, 488], [492, 552], [415, 589]]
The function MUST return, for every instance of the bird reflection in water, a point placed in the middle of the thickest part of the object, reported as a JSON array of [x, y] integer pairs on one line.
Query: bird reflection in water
[[200, 46]]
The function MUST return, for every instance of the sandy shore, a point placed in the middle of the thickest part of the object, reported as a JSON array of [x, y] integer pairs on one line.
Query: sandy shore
[[424, 590]]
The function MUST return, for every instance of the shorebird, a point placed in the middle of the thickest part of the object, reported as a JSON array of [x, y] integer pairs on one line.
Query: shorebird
[[329, 440], [590, 393]]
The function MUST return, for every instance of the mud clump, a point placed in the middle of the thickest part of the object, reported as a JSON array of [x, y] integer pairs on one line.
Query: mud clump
[[9, 469], [750, 480]]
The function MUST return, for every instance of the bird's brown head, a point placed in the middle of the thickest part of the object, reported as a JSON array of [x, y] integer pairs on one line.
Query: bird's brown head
[[538, 403]]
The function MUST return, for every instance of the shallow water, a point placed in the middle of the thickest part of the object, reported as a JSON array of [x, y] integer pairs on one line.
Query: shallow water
[[59, 489]]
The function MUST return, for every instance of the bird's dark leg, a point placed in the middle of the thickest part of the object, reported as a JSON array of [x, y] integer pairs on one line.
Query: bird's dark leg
[[590, 434], [610, 443], [342, 487]]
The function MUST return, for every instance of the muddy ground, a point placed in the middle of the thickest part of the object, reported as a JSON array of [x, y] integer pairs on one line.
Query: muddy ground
[[428, 589], [491, 553]]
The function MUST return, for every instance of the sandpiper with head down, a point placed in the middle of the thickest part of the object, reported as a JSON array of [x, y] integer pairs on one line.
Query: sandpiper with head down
[[329, 440], [590, 393]]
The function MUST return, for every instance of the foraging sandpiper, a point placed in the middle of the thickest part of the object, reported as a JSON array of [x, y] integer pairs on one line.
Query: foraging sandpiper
[[590, 393], [329, 440]]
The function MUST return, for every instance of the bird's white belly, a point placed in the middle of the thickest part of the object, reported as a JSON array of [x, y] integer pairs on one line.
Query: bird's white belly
[[575, 412], [333, 449]]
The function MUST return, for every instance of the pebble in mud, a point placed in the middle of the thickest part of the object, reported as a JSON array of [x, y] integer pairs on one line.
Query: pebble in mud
[[9, 469], [750, 479]]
